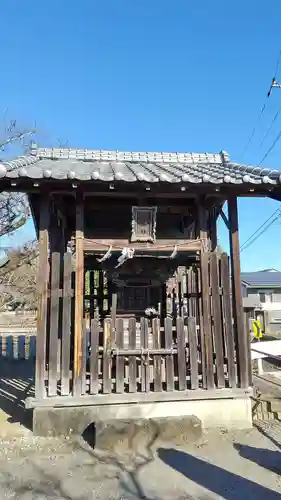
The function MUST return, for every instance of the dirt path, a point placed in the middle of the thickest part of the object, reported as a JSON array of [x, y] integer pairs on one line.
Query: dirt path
[[240, 466]]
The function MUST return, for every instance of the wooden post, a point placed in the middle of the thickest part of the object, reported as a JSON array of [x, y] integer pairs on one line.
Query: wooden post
[[206, 332], [241, 339], [42, 284], [79, 297], [213, 229]]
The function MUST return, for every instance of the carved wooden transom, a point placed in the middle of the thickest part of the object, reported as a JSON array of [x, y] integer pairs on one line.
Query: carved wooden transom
[[144, 224]]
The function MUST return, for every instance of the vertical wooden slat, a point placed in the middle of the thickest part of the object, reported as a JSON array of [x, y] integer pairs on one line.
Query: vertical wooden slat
[[101, 293], [107, 356], [21, 347], [113, 309], [66, 324], [9, 347], [79, 297], [200, 333], [181, 354], [157, 359], [193, 355], [84, 357], [241, 339], [184, 293], [54, 320], [168, 324], [145, 382], [228, 328], [217, 321], [207, 333], [92, 293], [94, 374], [120, 359], [32, 346], [42, 287], [205, 327], [132, 359]]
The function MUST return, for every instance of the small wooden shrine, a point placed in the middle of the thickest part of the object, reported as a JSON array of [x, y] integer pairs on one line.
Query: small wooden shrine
[[134, 301]]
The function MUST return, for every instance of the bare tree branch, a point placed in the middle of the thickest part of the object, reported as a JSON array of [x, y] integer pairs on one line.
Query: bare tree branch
[[14, 207]]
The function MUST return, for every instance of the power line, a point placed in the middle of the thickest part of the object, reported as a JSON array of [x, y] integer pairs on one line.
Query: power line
[[261, 229], [270, 127], [254, 130], [273, 84], [261, 233], [277, 64], [270, 148]]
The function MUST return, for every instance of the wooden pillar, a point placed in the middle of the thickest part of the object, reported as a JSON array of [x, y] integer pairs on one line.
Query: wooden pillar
[[79, 296], [205, 327], [213, 230], [42, 288], [242, 340]]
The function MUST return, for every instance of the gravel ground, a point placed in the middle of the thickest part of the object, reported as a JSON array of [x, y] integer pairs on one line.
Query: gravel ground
[[241, 465]]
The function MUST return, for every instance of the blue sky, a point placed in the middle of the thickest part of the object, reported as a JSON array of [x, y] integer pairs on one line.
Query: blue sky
[[149, 75]]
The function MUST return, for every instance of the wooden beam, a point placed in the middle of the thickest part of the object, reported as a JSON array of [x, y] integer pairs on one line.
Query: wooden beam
[[205, 327], [138, 397], [79, 296], [241, 339], [42, 287], [213, 230], [224, 218], [163, 245]]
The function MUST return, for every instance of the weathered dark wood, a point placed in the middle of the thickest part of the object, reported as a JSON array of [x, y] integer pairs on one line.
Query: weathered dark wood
[[79, 297], [114, 309], [54, 324], [207, 333], [145, 375], [132, 359], [42, 283], [98, 245], [106, 369], [241, 340], [224, 218], [181, 354], [169, 359], [101, 293], [84, 358], [66, 324], [157, 358], [92, 294], [193, 354], [213, 228], [144, 351], [94, 357], [217, 321], [150, 397], [190, 280], [228, 328], [119, 359], [200, 333]]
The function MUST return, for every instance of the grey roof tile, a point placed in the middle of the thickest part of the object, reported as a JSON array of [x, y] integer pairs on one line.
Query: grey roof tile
[[99, 165], [262, 279]]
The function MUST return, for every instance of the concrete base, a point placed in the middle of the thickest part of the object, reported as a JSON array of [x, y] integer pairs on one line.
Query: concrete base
[[220, 413]]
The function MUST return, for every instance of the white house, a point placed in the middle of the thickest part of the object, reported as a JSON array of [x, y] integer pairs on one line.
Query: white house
[[261, 292]]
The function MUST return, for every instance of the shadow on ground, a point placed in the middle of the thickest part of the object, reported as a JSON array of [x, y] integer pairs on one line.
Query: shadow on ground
[[16, 383], [217, 480], [268, 459]]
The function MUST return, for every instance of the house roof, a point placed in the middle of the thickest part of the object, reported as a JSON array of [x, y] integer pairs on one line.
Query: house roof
[[262, 279], [107, 166]]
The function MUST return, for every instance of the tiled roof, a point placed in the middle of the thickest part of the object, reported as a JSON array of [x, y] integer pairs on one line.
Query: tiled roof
[[262, 279], [99, 165]]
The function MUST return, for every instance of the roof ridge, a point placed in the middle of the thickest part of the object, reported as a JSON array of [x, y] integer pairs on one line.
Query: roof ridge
[[115, 155]]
